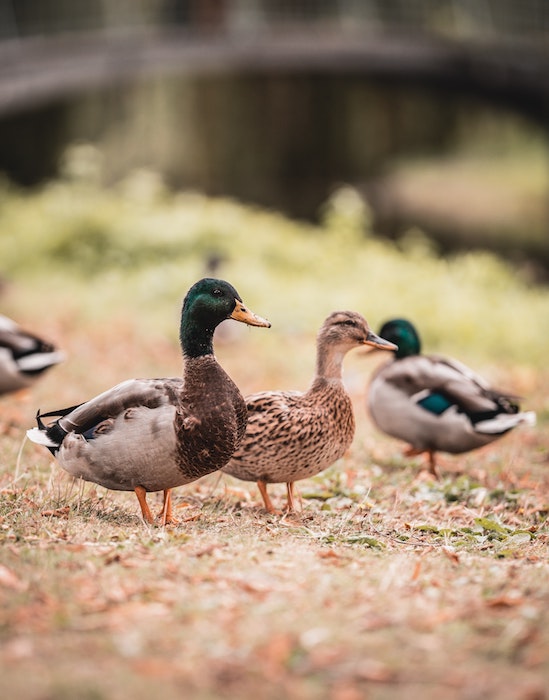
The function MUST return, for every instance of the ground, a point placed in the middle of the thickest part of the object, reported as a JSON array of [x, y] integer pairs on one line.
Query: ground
[[387, 583]]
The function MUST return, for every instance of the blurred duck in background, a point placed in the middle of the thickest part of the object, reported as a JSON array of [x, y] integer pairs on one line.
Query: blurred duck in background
[[294, 435], [435, 403], [24, 357]]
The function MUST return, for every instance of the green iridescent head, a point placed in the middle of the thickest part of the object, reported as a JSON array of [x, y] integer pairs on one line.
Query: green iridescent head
[[208, 302], [402, 333]]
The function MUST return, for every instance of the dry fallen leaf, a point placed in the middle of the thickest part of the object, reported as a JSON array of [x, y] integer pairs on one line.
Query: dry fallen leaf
[[9, 580], [275, 653], [346, 691], [154, 668], [451, 554], [332, 556], [417, 570], [253, 588], [75, 547], [373, 670], [209, 549], [197, 516], [504, 601], [57, 513]]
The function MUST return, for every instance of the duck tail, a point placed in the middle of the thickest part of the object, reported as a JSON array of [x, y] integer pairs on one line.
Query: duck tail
[[50, 436], [504, 422], [40, 437], [41, 425], [36, 363]]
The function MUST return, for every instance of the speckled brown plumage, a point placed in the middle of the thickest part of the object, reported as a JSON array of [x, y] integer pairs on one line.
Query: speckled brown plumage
[[294, 435]]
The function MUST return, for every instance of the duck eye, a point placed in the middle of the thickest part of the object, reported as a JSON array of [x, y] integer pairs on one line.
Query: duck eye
[[217, 292]]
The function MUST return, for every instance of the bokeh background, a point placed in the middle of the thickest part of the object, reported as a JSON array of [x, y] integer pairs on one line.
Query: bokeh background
[[384, 156], [388, 156], [436, 112]]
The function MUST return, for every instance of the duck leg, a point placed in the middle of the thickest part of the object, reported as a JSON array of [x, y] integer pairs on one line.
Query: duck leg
[[291, 500], [141, 494], [412, 451], [431, 455], [166, 512], [262, 486], [431, 459]]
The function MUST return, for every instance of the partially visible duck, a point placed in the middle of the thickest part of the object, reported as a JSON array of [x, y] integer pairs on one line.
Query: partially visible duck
[[24, 357], [435, 403], [155, 434], [294, 435]]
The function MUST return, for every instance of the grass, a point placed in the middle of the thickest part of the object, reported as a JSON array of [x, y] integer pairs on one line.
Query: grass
[[387, 584]]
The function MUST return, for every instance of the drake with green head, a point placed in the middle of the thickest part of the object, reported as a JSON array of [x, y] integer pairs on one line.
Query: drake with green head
[[294, 435], [155, 434], [435, 403]]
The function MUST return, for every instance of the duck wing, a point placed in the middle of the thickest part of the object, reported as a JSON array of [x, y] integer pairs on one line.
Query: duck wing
[[83, 418], [491, 412], [436, 383], [271, 412]]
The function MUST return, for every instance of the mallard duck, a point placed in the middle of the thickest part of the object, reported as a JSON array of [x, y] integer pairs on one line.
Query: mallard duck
[[293, 435], [435, 403], [155, 434], [24, 357]]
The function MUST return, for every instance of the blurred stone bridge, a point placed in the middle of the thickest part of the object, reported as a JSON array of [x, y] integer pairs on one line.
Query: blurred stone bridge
[[494, 48]]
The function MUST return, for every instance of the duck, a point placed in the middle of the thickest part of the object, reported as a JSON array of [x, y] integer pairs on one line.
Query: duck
[[293, 435], [435, 403], [24, 357], [147, 435]]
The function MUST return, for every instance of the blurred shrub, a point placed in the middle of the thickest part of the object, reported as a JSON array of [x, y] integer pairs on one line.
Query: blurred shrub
[[138, 244]]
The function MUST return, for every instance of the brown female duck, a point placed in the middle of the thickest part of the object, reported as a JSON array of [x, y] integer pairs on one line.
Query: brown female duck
[[293, 435]]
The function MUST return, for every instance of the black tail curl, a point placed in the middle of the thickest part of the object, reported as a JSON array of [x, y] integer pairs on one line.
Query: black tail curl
[[54, 431]]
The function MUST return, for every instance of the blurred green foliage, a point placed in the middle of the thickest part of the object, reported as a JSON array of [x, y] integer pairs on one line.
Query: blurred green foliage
[[137, 244]]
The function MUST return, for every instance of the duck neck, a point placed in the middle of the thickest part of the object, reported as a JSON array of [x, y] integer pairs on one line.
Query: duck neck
[[196, 338], [329, 363]]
